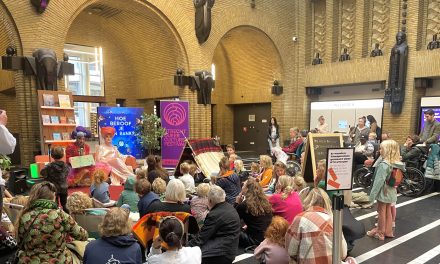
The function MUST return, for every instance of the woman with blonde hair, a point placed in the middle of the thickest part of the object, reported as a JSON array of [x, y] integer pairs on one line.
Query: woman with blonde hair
[[43, 228], [285, 202], [175, 195], [255, 211], [311, 234], [272, 249], [382, 191], [266, 175], [116, 244]]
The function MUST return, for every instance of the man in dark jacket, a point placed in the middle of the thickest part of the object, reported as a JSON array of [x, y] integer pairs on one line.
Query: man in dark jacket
[[431, 130], [56, 172], [218, 238]]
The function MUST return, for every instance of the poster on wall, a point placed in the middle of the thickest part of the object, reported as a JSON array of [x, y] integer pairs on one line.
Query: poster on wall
[[175, 119], [124, 120]]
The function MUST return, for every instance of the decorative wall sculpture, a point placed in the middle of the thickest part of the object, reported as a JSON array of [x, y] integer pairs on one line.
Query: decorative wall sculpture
[[319, 28], [433, 19], [380, 23], [348, 22], [203, 19]]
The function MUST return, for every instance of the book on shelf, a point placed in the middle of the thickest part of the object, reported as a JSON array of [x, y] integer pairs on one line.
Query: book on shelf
[[48, 100], [54, 119], [66, 136], [71, 120], [45, 119], [56, 136], [64, 100], [63, 120]]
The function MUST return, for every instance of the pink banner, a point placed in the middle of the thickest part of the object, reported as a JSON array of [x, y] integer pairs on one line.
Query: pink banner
[[175, 119]]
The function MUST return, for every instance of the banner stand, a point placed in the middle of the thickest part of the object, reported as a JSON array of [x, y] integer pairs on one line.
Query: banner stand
[[338, 207]]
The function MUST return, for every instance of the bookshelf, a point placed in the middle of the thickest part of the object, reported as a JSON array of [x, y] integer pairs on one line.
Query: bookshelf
[[57, 118]]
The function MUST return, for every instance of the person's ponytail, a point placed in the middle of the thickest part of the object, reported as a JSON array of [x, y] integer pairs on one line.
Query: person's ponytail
[[173, 240]]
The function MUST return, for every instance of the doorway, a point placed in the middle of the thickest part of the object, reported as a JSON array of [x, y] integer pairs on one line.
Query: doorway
[[250, 127]]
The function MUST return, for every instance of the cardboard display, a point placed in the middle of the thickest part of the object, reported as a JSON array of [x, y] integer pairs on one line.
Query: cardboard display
[[316, 150], [339, 174]]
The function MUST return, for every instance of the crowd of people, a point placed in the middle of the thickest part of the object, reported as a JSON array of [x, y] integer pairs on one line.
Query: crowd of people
[[280, 217]]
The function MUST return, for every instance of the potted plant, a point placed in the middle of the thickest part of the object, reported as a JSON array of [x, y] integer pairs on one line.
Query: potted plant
[[149, 131], [5, 162]]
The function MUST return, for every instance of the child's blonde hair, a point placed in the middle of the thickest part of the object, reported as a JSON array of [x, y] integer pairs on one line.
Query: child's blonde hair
[[266, 161], [255, 168], [373, 135], [390, 151], [298, 183], [98, 177], [238, 164], [203, 190], [192, 169], [159, 186], [284, 184], [232, 157], [184, 168]]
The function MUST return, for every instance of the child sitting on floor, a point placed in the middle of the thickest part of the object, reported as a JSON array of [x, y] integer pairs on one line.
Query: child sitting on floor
[[199, 203], [100, 189], [129, 196], [159, 187], [187, 179]]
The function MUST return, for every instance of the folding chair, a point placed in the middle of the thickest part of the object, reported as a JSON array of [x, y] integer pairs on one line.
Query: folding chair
[[13, 211], [90, 222]]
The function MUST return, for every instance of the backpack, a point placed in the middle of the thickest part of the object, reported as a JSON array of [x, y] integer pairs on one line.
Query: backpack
[[395, 178]]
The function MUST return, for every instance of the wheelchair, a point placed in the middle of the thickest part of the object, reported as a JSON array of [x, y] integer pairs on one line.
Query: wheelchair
[[413, 183]]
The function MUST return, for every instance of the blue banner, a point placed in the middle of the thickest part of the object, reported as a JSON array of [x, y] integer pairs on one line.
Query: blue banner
[[124, 120]]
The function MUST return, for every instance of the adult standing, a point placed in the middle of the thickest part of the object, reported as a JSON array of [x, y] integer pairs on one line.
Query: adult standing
[[374, 128], [219, 236], [273, 134], [431, 130], [322, 126], [7, 145]]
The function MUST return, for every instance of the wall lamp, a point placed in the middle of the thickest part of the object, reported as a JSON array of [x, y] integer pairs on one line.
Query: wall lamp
[[277, 89]]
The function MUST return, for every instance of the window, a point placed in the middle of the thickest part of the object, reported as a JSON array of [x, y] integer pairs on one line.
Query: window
[[85, 115], [89, 76]]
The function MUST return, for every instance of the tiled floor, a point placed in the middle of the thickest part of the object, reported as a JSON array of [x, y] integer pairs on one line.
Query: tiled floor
[[417, 233]]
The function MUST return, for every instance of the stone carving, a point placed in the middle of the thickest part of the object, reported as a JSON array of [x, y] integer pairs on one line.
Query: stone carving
[[348, 19], [433, 19], [319, 28], [203, 19], [380, 22], [434, 44], [395, 92], [376, 51]]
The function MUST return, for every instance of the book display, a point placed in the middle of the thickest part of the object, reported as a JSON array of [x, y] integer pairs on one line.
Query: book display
[[57, 118]]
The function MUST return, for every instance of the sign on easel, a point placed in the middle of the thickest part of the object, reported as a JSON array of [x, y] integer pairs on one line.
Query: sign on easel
[[316, 150], [339, 174]]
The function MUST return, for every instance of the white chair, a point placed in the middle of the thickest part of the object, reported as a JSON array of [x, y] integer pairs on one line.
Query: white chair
[[98, 204], [90, 222]]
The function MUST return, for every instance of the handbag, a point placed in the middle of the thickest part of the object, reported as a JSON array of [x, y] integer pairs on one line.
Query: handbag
[[15, 259]]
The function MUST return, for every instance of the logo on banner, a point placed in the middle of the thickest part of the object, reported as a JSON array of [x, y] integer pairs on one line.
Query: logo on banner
[[174, 114]]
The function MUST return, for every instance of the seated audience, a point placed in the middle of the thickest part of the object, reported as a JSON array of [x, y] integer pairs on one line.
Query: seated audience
[[286, 202], [187, 179], [99, 188], [362, 150], [56, 172], [129, 196], [146, 196], [116, 244], [295, 141], [309, 239], [255, 211], [410, 152], [266, 175], [159, 187], [78, 202], [199, 203], [255, 170], [218, 238], [272, 249], [163, 173], [232, 159], [44, 228], [155, 170], [278, 169], [228, 181], [300, 186], [175, 197], [171, 231], [230, 149], [241, 171]]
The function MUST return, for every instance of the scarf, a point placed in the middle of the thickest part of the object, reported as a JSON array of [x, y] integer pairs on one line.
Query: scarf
[[43, 204]]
